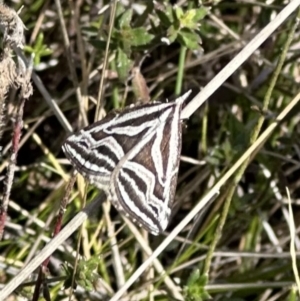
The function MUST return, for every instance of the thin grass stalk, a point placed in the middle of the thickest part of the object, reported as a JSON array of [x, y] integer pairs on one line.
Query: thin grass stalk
[[18, 124], [204, 129], [292, 244], [115, 90], [77, 248], [71, 64], [101, 84], [181, 64], [81, 49], [253, 137], [8, 21]]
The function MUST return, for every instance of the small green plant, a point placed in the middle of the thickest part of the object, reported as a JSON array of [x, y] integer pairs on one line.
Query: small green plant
[[39, 49], [167, 23], [182, 26], [195, 288], [85, 274]]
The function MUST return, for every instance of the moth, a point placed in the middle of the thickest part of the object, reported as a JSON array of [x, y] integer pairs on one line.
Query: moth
[[133, 156]]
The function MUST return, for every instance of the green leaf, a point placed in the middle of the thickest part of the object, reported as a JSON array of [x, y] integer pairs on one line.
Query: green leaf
[[125, 19], [124, 37], [172, 34], [140, 36], [200, 13], [28, 49], [120, 10], [191, 18], [39, 49], [178, 12], [90, 30], [188, 21], [166, 16], [101, 45], [189, 39], [123, 64], [93, 263], [86, 273], [163, 17], [39, 42]]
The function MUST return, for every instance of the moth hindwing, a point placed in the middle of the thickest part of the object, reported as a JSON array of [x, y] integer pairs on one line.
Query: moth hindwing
[[133, 155]]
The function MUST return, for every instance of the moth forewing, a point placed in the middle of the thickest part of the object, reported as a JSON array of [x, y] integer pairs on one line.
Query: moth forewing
[[143, 184], [93, 153]]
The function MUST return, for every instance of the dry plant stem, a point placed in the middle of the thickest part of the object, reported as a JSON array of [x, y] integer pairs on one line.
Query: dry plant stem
[[204, 129], [149, 275], [116, 257], [253, 136], [12, 165], [47, 97], [76, 262], [83, 197], [7, 74], [13, 34], [29, 132], [81, 48], [38, 23], [292, 244], [64, 203], [12, 28], [101, 85], [71, 63], [179, 78], [94, 50], [43, 269], [249, 286], [52, 103]]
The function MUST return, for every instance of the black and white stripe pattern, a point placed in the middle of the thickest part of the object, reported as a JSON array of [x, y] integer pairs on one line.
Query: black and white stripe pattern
[[133, 155]]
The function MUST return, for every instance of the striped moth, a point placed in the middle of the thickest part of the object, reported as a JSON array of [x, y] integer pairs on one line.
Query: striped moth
[[133, 155]]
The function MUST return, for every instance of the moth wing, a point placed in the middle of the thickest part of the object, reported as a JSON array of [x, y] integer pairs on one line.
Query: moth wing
[[96, 150], [143, 183], [94, 153]]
